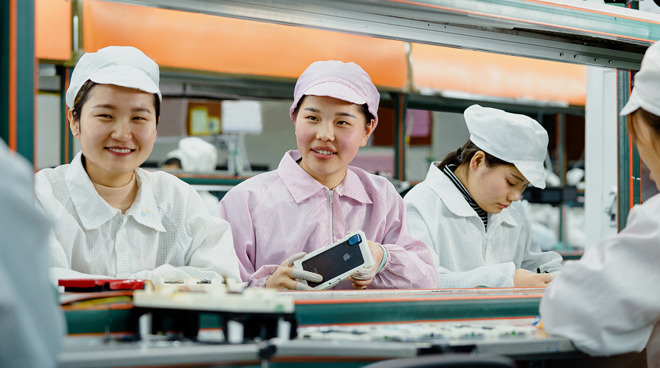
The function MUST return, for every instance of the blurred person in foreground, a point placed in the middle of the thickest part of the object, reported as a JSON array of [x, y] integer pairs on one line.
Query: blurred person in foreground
[[31, 326], [608, 302]]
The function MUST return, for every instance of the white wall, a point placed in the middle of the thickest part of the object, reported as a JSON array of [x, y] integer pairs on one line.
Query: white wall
[[276, 138], [266, 148], [48, 139], [600, 153], [449, 133]]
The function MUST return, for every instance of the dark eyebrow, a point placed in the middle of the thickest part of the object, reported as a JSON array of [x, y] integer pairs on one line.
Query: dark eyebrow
[[104, 106], [113, 107], [313, 109], [518, 177], [142, 109], [346, 114]]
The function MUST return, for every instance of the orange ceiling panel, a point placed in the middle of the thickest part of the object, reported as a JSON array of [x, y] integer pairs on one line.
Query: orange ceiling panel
[[203, 42], [52, 33], [217, 44], [486, 74]]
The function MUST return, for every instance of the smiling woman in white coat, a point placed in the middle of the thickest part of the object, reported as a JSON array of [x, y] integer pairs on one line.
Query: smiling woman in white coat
[[609, 301], [110, 217], [467, 209]]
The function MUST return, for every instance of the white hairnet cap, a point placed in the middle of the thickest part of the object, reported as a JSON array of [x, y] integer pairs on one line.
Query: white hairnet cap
[[336, 79], [123, 66], [646, 90], [197, 155], [514, 138], [174, 154]]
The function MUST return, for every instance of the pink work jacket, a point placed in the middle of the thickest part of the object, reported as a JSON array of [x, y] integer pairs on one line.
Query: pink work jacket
[[277, 214]]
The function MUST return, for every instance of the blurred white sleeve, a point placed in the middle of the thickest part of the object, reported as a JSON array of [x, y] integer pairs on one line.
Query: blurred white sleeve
[[31, 323]]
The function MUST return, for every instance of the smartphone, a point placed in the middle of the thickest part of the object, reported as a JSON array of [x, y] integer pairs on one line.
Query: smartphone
[[338, 261]]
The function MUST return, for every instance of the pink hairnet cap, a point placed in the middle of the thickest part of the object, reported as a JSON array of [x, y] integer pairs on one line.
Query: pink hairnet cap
[[336, 79], [514, 138], [123, 66], [646, 90]]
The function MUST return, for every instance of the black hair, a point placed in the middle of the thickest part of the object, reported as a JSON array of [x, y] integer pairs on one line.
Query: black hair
[[173, 161], [364, 109], [83, 95], [464, 155]]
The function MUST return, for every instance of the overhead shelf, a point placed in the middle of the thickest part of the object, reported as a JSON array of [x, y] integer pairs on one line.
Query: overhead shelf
[[568, 31]]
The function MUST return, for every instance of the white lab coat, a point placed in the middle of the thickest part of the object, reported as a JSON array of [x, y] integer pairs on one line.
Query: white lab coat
[[31, 325], [210, 201], [464, 254], [167, 233], [609, 301]]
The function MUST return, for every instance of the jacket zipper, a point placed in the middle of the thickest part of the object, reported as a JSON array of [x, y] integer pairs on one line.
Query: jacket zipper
[[330, 198]]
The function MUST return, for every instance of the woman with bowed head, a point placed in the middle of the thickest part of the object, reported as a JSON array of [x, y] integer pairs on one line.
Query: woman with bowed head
[[468, 209]]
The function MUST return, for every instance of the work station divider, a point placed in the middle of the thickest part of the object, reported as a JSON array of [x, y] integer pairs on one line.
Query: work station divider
[[347, 307]]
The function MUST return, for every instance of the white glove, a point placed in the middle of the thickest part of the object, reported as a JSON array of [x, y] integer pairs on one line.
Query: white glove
[[286, 277], [365, 273]]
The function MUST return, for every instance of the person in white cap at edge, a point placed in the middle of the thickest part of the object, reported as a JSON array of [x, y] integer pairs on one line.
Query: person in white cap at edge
[[31, 324], [467, 210], [110, 217], [197, 156], [608, 302], [315, 198]]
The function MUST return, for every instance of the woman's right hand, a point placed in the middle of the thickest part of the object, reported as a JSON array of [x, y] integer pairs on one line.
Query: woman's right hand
[[285, 276], [526, 278]]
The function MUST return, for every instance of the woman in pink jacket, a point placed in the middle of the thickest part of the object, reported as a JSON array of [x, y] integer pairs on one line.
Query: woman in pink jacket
[[314, 197]]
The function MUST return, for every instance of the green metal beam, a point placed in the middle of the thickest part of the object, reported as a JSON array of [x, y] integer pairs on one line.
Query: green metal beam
[[400, 140], [25, 86], [419, 310], [629, 182], [636, 180], [17, 47], [561, 172], [635, 162], [66, 138], [196, 180], [4, 70]]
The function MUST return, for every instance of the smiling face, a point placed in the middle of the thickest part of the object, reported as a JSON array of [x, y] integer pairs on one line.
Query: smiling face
[[329, 133], [117, 131], [495, 187]]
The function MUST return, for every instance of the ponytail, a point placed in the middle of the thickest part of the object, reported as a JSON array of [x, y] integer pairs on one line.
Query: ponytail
[[464, 155]]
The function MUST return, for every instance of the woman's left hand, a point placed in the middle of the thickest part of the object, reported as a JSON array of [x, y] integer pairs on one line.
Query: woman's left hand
[[364, 275]]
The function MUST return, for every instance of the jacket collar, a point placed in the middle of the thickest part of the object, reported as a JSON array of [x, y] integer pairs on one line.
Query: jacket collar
[[454, 200], [93, 211], [145, 209], [301, 185]]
